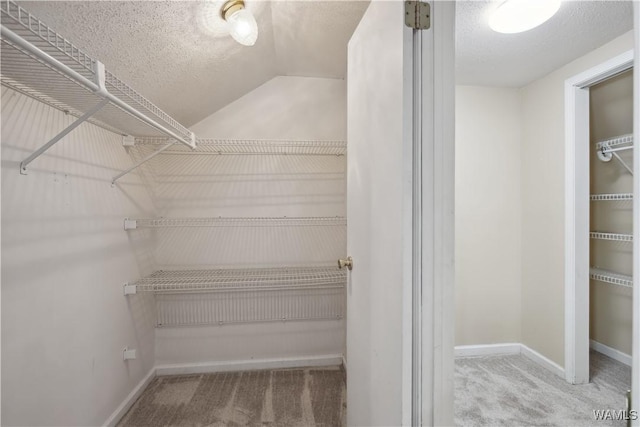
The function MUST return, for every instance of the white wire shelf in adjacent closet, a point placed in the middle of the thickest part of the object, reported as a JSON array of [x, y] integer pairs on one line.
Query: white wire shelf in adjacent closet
[[224, 296], [619, 143], [337, 221], [616, 197], [42, 64], [611, 236], [611, 277], [250, 147]]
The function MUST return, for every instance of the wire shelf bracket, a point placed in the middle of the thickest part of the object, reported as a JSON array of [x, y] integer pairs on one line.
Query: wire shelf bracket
[[141, 162], [62, 134], [610, 148]]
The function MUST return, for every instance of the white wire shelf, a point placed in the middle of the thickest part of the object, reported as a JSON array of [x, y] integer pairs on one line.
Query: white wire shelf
[[611, 236], [228, 296], [219, 147], [623, 140], [611, 277], [40, 63], [240, 280], [337, 221], [611, 197]]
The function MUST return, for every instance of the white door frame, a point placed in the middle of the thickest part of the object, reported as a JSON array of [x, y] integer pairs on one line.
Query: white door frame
[[577, 213], [434, 185], [635, 349]]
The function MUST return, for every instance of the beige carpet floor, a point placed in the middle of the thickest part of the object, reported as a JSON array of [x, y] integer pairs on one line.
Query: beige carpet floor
[[514, 391], [281, 397], [489, 391]]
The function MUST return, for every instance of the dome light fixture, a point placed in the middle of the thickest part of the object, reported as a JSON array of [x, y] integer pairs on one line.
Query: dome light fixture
[[516, 16], [242, 25]]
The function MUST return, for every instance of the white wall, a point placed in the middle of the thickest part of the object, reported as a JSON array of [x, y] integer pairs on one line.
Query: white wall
[[543, 202], [65, 258], [283, 108], [298, 108], [488, 214]]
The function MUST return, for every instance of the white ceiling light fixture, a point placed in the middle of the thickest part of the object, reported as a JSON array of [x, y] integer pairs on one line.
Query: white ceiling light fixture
[[516, 16], [242, 25]]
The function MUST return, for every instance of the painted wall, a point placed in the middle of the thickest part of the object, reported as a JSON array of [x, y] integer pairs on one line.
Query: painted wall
[[611, 309], [543, 202], [283, 108], [488, 215], [65, 257], [297, 108]]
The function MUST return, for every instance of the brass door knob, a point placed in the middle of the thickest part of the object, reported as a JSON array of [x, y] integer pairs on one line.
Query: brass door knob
[[348, 262]]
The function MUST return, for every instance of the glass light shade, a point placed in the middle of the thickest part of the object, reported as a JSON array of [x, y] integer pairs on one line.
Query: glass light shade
[[243, 27], [516, 16]]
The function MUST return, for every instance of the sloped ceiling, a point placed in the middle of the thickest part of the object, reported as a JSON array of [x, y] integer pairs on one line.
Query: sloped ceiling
[[180, 55]]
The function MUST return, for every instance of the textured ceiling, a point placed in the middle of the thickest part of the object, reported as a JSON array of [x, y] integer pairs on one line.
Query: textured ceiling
[[487, 58], [180, 56]]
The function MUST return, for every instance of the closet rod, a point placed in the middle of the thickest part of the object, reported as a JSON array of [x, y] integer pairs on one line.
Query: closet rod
[[98, 87]]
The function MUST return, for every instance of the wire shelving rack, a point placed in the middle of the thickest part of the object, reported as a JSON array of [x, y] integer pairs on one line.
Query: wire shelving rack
[[220, 147], [225, 296], [611, 236], [337, 221], [615, 197], [611, 277], [40, 63]]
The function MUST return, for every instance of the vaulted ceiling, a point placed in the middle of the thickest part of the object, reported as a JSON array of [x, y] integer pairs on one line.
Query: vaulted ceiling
[[180, 55]]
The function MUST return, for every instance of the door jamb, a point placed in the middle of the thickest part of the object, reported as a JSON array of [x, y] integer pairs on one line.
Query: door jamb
[[577, 213]]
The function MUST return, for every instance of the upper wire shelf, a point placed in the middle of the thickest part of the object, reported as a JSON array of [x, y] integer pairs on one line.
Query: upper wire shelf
[[131, 224], [40, 63], [608, 149], [611, 197], [611, 236], [608, 144], [611, 277], [250, 147]]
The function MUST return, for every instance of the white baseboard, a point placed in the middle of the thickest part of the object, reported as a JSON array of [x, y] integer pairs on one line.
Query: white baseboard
[[611, 352], [248, 365], [543, 361], [507, 349], [130, 399], [486, 350]]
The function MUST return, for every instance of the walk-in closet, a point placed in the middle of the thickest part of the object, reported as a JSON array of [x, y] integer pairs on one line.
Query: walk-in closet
[[319, 213]]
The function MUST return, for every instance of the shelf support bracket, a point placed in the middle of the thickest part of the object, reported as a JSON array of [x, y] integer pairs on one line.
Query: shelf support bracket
[[149, 157], [617, 156], [58, 137], [130, 289]]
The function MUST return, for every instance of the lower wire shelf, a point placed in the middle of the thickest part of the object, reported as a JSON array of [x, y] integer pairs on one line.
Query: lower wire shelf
[[611, 277], [225, 296]]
